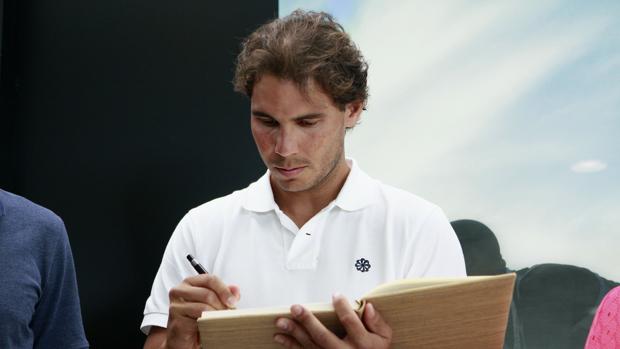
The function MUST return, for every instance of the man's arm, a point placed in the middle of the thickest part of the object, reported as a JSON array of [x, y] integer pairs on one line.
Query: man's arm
[[57, 321], [436, 252], [156, 338], [187, 302]]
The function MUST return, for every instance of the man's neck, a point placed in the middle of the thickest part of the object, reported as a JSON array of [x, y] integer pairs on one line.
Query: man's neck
[[300, 207]]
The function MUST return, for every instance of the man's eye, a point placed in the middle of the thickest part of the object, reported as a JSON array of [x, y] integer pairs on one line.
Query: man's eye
[[307, 123], [269, 122]]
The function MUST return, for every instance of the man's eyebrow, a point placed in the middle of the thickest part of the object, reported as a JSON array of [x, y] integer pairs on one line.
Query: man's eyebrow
[[261, 113], [309, 116], [300, 117]]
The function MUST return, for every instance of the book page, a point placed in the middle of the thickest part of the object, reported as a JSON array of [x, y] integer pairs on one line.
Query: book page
[[315, 308], [404, 285]]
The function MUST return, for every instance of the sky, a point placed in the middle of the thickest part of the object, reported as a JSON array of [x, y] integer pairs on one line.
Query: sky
[[506, 112]]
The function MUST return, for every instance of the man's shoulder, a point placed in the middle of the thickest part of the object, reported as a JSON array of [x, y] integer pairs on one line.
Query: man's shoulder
[[19, 212], [220, 207], [30, 230], [405, 202]]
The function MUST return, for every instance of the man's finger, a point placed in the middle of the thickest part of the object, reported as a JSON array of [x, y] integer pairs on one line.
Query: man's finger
[[189, 309], [295, 331], [234, 289], [287, 341], [188, 293], [375, 322], [215, 284], [320, 335], [349, 319]]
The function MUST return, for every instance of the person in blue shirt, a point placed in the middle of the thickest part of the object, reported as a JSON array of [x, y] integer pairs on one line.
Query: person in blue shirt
[[39, 302]]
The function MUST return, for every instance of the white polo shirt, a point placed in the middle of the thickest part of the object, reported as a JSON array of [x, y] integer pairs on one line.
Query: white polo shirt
[[370, 234]]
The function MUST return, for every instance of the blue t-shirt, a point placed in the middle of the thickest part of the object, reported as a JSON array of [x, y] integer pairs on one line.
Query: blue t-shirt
[[39, 303]]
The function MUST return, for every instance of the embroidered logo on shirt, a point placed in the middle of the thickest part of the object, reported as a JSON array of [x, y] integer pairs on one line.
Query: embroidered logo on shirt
[[362, 265]]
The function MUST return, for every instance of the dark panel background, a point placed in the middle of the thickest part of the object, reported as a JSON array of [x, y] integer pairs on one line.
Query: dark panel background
[[120, 116]]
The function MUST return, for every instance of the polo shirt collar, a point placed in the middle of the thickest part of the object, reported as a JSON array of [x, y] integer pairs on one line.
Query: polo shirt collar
[[259, 196], [359, 191]]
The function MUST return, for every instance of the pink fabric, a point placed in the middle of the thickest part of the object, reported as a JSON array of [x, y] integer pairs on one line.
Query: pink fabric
[[605, 329]]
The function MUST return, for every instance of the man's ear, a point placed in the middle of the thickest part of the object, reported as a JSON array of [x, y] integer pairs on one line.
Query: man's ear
[[352, 113]]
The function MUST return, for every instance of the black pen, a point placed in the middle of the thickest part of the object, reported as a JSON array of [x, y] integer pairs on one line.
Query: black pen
[[199, 268]]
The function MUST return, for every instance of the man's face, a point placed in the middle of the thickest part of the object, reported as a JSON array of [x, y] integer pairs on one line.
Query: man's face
[[300, 137]]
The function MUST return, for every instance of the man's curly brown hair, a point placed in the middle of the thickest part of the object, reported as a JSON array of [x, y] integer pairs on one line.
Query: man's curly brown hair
[[301, 46]]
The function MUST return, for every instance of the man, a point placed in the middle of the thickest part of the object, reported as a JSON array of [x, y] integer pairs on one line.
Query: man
[[39, 303], [314, 226]]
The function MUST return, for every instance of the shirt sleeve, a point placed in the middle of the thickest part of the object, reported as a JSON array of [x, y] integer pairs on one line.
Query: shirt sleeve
[[57, 320], [436, 251], [173, 270]]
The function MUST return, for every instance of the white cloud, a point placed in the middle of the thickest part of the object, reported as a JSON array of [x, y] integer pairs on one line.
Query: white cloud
[[588, 166]]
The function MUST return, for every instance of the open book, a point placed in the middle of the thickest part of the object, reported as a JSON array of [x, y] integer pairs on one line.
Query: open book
[[467, 312]]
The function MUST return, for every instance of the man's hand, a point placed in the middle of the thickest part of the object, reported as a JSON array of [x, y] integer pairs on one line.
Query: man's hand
[[188, 300], [306, 331]]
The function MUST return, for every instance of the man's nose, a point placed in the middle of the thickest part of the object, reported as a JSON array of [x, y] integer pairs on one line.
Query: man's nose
[[286, 142]]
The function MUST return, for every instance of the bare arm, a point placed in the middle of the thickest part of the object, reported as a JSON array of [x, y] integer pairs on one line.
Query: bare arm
[[156, 338]]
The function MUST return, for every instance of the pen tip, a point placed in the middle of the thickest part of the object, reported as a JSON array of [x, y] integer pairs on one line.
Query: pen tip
[[190, 257]]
